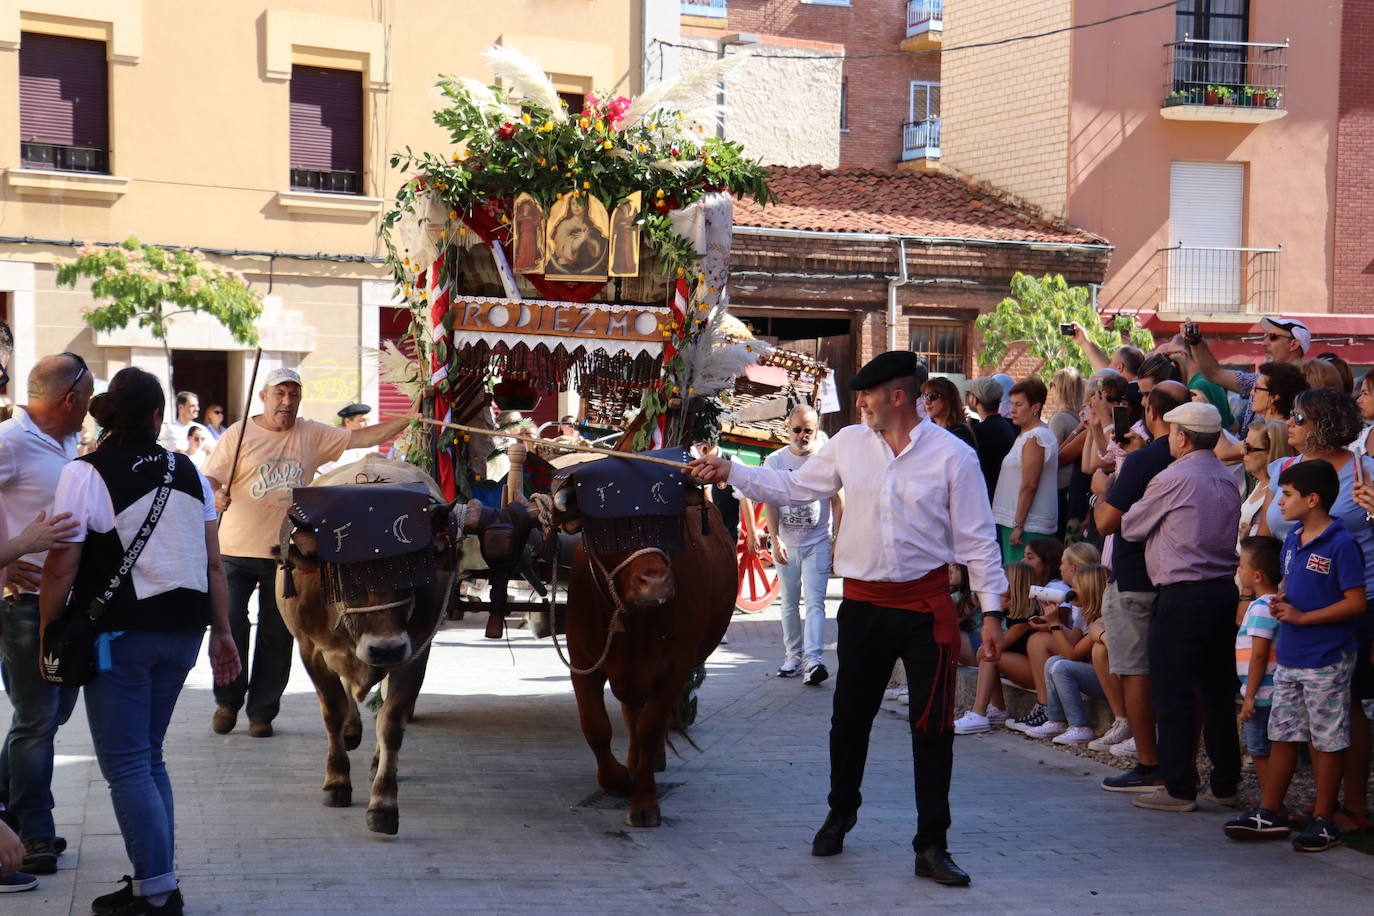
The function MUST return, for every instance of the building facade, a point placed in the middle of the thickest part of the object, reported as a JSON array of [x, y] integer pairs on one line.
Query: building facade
[[260, 135]]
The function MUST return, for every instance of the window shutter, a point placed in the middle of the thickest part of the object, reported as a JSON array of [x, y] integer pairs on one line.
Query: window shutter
[[63, 91], [1206, 211], [326, 119]]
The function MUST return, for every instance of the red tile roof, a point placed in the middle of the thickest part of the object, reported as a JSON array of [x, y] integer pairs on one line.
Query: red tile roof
[[895, 203]]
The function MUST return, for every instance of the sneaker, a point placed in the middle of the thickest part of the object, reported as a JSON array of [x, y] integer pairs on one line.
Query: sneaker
[[970, 723], [1078, 734], [1139, 778], [40, 857], [1123, 748], [996, 716], [1119, 732], [1161, 800], [1037, 717], [1258, 824], [790, 668], [119, 901], [1235, 802], [1320, 834], [815, 676], [17, 882], [905, 698], [893, 693], [1047, 729]]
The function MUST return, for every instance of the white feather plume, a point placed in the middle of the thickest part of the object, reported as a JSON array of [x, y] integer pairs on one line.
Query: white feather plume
[[395, 367], [477, 92], [526, 78], [713, 359], [690, 90], [676, 166]]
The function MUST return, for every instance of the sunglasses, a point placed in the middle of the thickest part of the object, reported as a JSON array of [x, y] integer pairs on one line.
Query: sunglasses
[[1251, 449], [79, 372], [931, 396], [1299, 419], [4, 376], [1260, 388], [1271, 336], [802, 429]]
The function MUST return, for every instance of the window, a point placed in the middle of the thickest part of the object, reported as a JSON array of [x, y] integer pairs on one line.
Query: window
[[1213, 21], [326, 130], [925, 102], [844, 103], [1206, 213], [63, 104], [940, 345]]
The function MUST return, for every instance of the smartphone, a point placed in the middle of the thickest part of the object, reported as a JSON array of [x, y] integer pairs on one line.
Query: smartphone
[[1359, 471], [1121, 423], [1192, 334], [1066, 330]]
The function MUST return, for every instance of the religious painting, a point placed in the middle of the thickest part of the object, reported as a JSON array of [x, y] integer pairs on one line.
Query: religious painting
[[578, 245], [528, 236], [625, 238]]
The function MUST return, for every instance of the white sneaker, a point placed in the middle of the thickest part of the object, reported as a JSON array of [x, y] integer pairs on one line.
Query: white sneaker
[[893, 693], [997, 716], [1079, 734], [970, 723], [1123, 749], [904, 698], [790, 668], [1048, 730], [1119, 732]]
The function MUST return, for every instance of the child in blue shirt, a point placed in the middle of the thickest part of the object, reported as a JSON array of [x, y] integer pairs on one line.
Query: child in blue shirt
[[1260, 571], [1323, 593]]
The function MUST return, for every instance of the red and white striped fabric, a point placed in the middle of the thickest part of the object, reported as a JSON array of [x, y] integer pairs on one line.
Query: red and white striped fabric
[[681, 297], [438, 295]]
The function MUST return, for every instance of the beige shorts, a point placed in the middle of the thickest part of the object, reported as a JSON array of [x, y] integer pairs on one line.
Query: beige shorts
[[1126, 617]]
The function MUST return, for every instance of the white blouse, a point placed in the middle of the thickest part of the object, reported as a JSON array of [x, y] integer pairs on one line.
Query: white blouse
[[1043, 517]]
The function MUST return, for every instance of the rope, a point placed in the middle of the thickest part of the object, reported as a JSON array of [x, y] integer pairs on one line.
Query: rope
[[616, 624]]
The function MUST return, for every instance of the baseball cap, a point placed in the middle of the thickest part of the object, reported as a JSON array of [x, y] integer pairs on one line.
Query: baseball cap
[[987, 390], [1291, 326], [1200, 418], [281, 377]]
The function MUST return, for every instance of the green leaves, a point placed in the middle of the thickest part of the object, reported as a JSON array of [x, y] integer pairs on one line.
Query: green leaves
[[1034, 312]]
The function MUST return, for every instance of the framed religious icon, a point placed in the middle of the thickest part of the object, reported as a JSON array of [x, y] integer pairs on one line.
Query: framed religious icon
[[625, 237], [577, 247], [527, 236]]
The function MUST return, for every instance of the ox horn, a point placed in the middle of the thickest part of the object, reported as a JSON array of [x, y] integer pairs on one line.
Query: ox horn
[[562, 498], [443, 510]]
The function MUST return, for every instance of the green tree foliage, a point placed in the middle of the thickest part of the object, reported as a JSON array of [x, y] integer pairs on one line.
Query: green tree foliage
[[1033, 313], [147, 285]]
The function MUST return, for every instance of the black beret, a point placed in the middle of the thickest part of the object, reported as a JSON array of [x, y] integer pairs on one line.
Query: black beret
[[887, 366], [354, 410]]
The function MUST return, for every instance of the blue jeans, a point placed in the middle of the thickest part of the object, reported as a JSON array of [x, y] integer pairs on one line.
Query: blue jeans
[[129, 707], [804, 576], [39, 709], [264, 683], [1065, 682]]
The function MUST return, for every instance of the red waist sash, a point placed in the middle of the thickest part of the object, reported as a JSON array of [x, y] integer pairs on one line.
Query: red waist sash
[[926, 595]]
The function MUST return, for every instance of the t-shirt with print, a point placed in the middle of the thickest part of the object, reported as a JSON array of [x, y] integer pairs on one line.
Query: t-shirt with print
[[1316, 576], [1259, 622], [1132, 478], [802, 524], [270, 466]]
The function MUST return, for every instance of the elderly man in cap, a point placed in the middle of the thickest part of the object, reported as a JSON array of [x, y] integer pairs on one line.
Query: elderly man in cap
[[1188, 519], [914, 503], [254, 467], [354, 416]]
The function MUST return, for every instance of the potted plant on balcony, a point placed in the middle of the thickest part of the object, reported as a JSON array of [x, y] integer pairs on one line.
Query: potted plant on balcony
[[1272, 98], [1197, 96], [1174, 98], [1211, 96], [1226, 95]]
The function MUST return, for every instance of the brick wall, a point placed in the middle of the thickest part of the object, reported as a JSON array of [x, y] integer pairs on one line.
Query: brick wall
[[1353, 261], [1006, 109], [878, 87]]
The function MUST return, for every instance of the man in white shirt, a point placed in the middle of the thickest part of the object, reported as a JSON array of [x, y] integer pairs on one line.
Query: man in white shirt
[[174, 432], [801, 553], [915, 502], [35, 444]]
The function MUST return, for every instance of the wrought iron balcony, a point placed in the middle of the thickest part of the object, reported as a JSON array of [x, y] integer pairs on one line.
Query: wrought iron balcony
[[921, 139], [336, 182], [1198, 281], [715, 9], [1228, 81], [925, 25], [60, 157]]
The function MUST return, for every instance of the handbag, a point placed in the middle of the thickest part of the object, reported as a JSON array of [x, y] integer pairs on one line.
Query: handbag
[[68, 655]]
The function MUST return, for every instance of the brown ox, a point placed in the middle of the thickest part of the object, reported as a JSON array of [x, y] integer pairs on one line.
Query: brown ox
[[347, 650], [676, 606]]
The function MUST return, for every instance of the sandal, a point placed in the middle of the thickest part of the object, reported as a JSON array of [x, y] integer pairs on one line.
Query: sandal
[[1360, 820]]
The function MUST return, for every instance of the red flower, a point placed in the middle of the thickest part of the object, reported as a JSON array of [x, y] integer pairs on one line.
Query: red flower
[[506, 131]]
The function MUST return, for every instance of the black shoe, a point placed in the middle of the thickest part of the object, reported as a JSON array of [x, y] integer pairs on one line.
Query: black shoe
[[938, 865], [260, 729], [829, 840], [123, 902], [40, 857], [59, 844], [815, 676]]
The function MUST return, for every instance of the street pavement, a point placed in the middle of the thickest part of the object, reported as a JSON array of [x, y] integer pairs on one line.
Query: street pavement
[[495, 775]]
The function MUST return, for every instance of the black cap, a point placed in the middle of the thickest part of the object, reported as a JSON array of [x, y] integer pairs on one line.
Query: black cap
[[887, 366], [354, 410]]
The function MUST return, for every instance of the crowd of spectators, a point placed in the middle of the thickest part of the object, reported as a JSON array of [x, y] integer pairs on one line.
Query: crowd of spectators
[[1192, 546]]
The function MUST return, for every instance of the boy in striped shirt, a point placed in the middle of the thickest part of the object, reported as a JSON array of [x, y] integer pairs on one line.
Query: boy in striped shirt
[[1260, 572]]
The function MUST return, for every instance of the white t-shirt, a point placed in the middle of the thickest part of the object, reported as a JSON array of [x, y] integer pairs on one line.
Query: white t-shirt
[[174, 556], [174, 434], [1043, 517], [802, 524], [348, 457], [31, 463]]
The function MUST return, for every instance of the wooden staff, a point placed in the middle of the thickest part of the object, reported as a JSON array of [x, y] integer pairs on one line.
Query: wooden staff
[[562, 446], [247, 406]]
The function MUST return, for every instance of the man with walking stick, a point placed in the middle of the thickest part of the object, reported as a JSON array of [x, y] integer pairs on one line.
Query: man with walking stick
[[915, 502], [255, 465]]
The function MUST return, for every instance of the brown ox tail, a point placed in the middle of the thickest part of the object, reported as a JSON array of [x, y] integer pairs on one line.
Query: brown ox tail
[[675, 720]]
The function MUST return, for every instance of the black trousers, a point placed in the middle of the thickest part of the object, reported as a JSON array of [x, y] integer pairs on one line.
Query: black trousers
[[273, 648], [1192, 667], [871, 640]]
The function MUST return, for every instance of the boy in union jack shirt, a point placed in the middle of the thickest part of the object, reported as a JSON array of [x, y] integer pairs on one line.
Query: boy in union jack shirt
[[1323, 593]]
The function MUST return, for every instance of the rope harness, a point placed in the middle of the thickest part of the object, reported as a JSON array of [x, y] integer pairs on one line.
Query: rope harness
[[609, 592]]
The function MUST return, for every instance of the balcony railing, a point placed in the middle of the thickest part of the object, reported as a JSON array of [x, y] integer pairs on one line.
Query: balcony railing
[[1225, 73], [63, 158], [921, 139], [924, 15], [1218, 280], [716, 9], [336, 182]]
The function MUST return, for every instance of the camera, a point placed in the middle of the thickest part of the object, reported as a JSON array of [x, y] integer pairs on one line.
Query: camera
[[1192, 334], [1045, 593], [1066, 330]]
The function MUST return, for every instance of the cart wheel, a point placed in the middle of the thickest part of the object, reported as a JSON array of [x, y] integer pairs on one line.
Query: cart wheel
[[758, 580]]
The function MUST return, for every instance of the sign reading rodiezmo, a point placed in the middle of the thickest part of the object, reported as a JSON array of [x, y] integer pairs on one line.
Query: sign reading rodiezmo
[[593, 320]]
